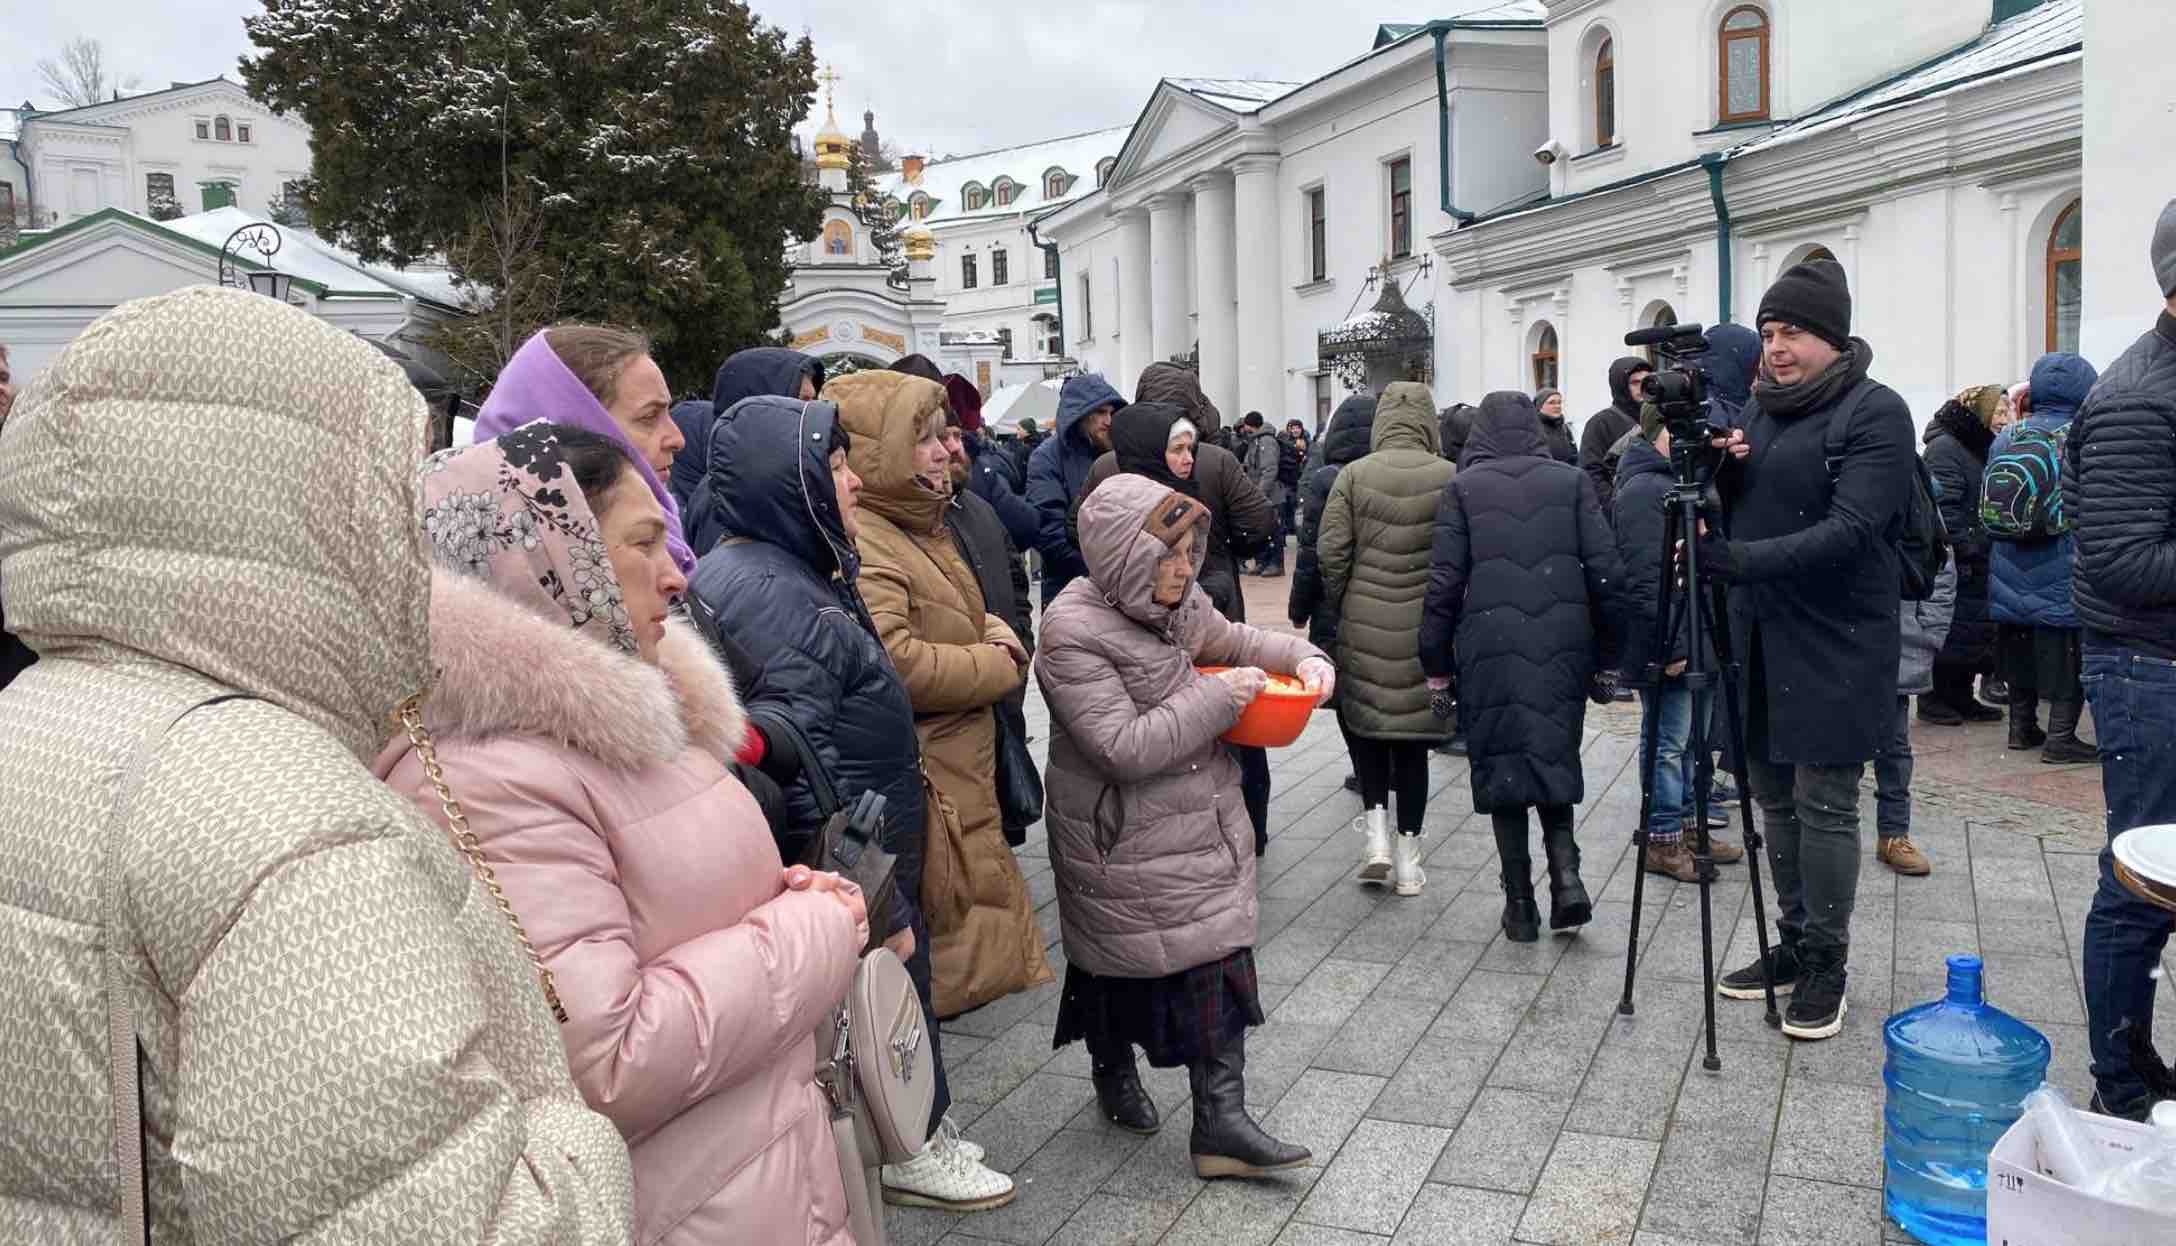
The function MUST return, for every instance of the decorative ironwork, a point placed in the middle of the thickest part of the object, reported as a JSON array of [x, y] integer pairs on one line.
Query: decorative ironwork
[[264, 279], [1387, 342]]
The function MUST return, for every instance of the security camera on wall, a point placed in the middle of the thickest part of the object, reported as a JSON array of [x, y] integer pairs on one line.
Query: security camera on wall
[[1548, 152]]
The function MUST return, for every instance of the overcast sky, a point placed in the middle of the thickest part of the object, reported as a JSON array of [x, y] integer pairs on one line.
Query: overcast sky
[[943, 75]]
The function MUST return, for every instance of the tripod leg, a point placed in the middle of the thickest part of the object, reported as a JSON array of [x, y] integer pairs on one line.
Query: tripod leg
[[1734, 720], [1702, 856], [1650, 741]]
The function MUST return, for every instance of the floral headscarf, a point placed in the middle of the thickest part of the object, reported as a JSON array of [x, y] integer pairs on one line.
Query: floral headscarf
[[508, 512], [1984, 402]]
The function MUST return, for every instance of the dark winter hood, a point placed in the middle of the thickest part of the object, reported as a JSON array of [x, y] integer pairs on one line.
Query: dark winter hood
[[1733, 355], [1620, 384], [1507, 426], [763, 370], [1168, 382], [770, 480], [1406, 419], [2060, 382], [1640, 459], [694, 417], [1139, 436], [1351, 429], [1082, 394]]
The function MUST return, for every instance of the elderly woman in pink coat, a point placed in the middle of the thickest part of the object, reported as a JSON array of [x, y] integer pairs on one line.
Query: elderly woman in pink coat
[[1149, 839], [586, 738]]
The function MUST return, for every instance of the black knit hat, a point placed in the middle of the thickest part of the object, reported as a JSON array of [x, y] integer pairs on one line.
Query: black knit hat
[[1813, 296]]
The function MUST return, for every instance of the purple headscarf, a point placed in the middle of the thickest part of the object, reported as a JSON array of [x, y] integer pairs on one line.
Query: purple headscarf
[[537, 385]]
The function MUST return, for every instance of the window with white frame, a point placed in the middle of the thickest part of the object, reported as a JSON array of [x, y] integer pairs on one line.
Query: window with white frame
[[1056, 183], [1318, 234], [1401, 207], [1000, 267], [1322, 401], [222, 130], [1087, 309], [204, 128], [1742, 66], [967, 271]]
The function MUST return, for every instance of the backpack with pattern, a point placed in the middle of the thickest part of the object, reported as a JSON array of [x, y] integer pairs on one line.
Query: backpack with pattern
[[2021, 496]]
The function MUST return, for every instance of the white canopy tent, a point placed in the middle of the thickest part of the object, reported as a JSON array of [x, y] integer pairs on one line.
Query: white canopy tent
[[1004, 409]]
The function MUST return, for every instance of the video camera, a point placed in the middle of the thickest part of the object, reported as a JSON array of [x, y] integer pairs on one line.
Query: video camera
[[1679, 388]]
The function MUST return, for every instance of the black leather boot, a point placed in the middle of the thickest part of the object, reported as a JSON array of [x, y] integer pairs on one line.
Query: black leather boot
[[2025, 730], [1118, 1088], [1522, 918], [1569, 907], [2064, 748], [1226, 1141]]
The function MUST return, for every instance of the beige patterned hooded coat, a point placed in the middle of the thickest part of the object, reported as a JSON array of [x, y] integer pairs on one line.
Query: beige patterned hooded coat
[[211, 493]]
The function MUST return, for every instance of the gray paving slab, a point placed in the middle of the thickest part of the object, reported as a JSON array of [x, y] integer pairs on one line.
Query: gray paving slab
[[1372, 1182], [1590, 1192]]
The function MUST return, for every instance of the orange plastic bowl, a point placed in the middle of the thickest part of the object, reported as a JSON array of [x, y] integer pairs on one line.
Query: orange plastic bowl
[[1273, 719]]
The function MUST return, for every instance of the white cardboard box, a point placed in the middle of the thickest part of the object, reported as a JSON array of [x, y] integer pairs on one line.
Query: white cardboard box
[[2027, 1207]]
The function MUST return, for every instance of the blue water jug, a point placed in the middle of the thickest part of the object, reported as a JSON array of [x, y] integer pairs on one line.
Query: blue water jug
[[1958, 1072]]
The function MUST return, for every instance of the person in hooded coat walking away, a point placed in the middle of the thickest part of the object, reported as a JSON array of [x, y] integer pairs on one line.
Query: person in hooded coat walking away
[[1606, 427], [1376, 531], [1521, 629], [1344, 441], [1156, 891], [1957, 441], [1058, 473], [2030, 594]]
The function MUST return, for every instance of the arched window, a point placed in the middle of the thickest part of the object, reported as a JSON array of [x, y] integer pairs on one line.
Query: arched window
[[838, 238], [1742, 66], [1657, 316], [919, 206], [1544, 357], [1007, 189], [223, 130], [1056, 183], [2066, 277], [1820, 253], [1605, 94], [1103, 169], [974, 198]]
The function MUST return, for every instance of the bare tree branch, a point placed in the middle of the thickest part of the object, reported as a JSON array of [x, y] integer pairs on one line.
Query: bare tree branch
[[78, 78]]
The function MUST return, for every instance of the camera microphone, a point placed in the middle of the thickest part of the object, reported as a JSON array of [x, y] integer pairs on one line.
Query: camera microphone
[[1662, 333]]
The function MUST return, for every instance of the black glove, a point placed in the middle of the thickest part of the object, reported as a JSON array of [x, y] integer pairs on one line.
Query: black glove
[[1443, 702], [1602, 688], [1723, 560]]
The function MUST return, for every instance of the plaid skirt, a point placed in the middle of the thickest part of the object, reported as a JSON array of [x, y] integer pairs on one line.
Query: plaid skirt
[[1174, 1019]]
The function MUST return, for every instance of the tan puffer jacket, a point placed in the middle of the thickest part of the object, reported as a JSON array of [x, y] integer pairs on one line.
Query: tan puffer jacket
[[210, 493], [1149, 839], [928, 609], [1377, 529]]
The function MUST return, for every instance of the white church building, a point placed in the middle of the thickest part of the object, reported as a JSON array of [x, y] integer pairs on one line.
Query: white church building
[[1544, 176]]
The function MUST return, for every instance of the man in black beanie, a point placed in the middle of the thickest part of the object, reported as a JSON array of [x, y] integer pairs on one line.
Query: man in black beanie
[[1814, 484]]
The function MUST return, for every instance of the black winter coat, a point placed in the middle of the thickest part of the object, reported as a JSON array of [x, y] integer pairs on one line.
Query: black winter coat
[[781, 585], [2119, 488], [1345, 441], [1003, 577], [1956, 455], [1817, 583], [1558, 434], [1524, 599], [990, 477], [1644, 479], [1607, 426], [1454, 424]]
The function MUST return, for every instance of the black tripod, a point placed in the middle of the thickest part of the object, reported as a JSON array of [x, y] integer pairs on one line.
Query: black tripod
[[1681, 512]]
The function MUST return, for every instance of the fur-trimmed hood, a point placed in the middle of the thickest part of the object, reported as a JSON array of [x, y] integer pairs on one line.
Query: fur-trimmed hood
[[504, 670]]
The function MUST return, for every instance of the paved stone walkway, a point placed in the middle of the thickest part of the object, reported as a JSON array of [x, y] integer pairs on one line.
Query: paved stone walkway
[[1459, 1089]]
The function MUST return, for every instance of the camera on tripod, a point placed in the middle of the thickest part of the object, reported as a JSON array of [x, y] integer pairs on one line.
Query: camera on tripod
[[1679, 388]]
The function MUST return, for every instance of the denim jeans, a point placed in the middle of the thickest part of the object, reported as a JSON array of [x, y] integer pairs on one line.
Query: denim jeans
[[1811, 814], [1893, 776], [2134, 714], [1676, 767]]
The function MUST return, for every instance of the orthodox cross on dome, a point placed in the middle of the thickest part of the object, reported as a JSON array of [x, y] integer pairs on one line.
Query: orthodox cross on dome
[[830, 78]]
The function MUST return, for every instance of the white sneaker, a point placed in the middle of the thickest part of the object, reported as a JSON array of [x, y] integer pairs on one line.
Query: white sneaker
[[973, 1150], [1407, 878], [946, 1177], [1375, 854]]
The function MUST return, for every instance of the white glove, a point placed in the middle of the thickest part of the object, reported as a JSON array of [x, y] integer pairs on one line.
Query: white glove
[[1244, 683], [1318, 677]]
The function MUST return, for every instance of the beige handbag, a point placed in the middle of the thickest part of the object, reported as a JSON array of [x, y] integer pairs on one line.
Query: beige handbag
[[879, 1082]]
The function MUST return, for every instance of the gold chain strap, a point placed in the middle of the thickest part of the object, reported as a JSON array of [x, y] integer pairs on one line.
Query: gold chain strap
[[411, 717]]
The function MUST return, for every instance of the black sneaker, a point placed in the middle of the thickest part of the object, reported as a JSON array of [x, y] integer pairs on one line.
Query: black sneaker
[[1817, 1006], [1783, 968]]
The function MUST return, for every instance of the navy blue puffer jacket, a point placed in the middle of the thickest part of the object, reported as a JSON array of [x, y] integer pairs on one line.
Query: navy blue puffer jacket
[[781, 587], [1057, 473], [2030, 582]]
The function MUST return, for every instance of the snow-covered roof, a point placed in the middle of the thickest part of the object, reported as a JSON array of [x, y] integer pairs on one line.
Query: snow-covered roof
[[2054, 29], [945, 180], [303, 254], [1235, 94]]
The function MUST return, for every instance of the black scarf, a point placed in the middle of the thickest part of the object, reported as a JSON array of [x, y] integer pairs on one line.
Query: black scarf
[[1819, 392], [1139, 436]]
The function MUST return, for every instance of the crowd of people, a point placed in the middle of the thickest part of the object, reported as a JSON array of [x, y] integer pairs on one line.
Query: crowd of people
[[451, 838]]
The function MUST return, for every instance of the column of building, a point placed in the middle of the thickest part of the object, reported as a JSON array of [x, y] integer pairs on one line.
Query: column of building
[[1170, 330], [1218, 294], [1260, 313], [1135, 315]]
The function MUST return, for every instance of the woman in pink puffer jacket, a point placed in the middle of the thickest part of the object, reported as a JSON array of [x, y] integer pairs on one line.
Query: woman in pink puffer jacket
[[586, 739]]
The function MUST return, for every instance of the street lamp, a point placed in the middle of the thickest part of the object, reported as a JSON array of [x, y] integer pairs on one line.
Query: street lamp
[[264, 279]]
